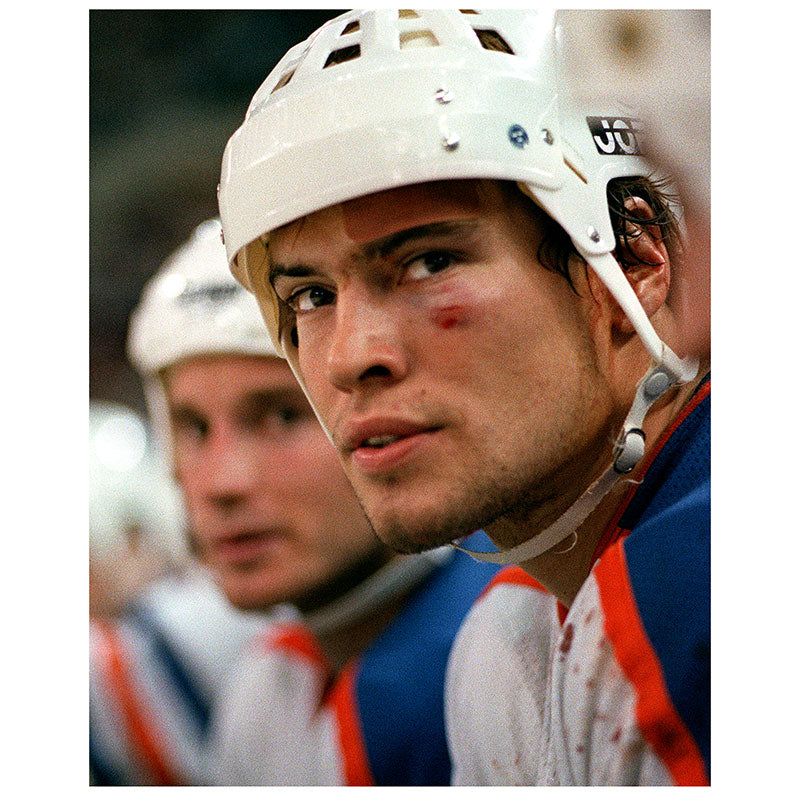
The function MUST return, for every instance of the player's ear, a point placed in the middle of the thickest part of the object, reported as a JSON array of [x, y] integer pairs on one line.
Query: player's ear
[[643, 256]]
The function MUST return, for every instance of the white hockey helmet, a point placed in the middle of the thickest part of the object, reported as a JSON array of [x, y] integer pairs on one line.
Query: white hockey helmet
[[192, 307], [136, 518], [382, 98]]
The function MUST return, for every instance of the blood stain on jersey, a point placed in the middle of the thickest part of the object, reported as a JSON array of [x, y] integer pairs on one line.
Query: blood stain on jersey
[[566, 638]]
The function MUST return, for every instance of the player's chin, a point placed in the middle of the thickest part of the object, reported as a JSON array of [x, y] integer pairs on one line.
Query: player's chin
[[413, 535], [253, 590]]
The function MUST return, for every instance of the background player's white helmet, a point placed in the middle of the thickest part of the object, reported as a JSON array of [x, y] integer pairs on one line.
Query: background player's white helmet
[[136, 519], [382, 98], [192, 307]]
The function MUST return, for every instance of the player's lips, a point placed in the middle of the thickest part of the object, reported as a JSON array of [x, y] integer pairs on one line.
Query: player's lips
[[381, 443], [245, 545]]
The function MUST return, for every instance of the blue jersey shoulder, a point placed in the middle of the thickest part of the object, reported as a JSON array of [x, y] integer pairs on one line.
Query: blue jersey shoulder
[[400, 684], [668, 556]]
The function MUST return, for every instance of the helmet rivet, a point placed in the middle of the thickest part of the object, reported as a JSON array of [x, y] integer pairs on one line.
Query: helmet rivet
[[594, 234], [547, 136], [443, 96], [451, 141], [518, 136]]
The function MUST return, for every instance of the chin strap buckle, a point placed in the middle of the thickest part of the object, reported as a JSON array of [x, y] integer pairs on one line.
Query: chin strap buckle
[[661, 377], [628, 452]]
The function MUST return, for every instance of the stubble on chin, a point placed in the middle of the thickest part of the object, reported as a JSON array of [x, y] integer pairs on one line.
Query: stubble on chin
[[408, 532], [509, 507]]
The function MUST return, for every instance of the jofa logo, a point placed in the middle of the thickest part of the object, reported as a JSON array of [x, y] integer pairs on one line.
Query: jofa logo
[[617, 136]]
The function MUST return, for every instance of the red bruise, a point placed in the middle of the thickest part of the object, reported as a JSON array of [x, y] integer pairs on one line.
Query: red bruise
[[445, 318]]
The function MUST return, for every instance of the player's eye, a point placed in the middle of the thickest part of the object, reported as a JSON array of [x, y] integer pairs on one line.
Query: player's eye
[[288, 415], [309, 298], [190, 426], [428, 264]]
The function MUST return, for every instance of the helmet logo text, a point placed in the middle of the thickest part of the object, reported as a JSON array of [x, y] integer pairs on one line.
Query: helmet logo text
[[208, 294], [617, 136]]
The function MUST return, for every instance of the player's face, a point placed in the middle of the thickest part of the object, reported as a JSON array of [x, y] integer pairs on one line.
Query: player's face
[[271, 511], [457, 376]]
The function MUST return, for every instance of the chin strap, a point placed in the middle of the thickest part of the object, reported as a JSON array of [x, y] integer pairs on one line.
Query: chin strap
[[628, 451], [393, 579]]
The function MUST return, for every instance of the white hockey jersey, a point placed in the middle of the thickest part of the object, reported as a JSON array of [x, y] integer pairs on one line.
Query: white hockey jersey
[[616, 690], [155, 675]]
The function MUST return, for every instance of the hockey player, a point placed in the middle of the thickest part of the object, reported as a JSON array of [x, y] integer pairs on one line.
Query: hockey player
[[161, 634], [348, 689], [473, 278]]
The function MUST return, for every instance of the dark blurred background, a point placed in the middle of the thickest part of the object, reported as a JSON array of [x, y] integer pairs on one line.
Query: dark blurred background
[[167, 89]]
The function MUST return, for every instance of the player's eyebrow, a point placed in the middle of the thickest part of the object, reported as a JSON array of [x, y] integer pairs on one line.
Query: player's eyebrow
[[265, 399], [382, 247], [298, 270], [387, 244]]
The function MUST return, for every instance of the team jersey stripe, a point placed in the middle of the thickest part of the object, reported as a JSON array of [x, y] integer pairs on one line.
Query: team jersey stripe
[[515, 576], [170, 660], [342, 698], [298, 640], [143, 735], [658, 720]]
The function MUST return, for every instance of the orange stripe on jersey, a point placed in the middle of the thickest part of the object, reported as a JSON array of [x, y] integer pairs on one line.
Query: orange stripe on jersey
[[342, 698], [512, 575], [142, 735], [299, 640], [658, 720], [516, 576]]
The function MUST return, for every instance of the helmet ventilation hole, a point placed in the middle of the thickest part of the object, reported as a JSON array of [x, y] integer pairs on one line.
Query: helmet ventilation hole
[[492, 40], [351, 27], [342, 54], [285, 78]]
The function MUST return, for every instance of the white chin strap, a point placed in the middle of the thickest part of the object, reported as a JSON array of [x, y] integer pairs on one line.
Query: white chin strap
[[394, 579], [666, 371]]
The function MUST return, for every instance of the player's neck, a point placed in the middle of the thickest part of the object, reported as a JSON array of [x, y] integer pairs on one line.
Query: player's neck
[[563, 569], [343, 644]]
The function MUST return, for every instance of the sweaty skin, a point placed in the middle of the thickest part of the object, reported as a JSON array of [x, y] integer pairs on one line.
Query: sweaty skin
[[375, 216]]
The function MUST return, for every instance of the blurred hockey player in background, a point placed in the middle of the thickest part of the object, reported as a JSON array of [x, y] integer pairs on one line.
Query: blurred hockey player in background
[[162, 636], [349, 690]]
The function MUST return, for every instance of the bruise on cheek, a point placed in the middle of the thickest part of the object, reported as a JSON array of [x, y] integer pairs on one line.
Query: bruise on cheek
[[457, 306], [448, 316], [375, 216]]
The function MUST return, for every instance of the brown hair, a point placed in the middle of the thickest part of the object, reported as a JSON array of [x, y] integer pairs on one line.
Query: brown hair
[[556, 250]]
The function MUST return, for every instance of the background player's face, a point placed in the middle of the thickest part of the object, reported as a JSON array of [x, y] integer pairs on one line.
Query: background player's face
[[270, 509], [457, 376]]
